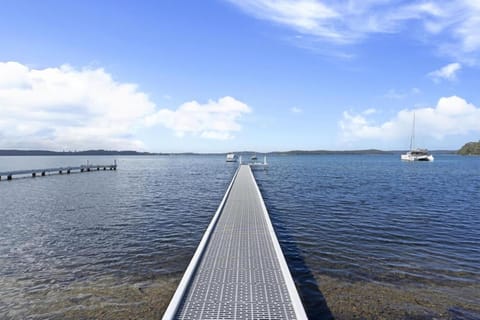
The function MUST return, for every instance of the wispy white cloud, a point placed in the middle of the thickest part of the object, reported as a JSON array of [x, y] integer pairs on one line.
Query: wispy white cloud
[[451, 116], [67, 108], [448, 72], [346, 21], [397, 95], [214, 119], [296, 110], [306, 16], [369, 111], [415, 91]]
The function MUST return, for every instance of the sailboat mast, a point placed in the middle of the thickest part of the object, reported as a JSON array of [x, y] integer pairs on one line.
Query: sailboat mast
[[412, 138]]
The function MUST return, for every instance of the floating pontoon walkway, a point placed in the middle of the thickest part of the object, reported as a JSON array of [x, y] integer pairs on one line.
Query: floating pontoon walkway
[[238, 270]]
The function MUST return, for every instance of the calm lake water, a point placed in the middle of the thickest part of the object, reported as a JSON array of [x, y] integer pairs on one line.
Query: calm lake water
[[364, 236]]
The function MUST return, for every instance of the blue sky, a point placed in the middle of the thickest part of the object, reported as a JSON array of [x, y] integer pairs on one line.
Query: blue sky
[[214, 76]]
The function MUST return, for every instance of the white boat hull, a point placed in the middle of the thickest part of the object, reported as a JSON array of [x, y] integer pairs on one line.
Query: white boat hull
[[410, 157], [231, 157]]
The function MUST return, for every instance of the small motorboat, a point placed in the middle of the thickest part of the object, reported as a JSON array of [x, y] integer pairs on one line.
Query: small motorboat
[[231, 157]]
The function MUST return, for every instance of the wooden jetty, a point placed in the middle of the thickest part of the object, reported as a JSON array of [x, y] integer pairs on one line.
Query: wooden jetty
[[238, 270], [61, 170]]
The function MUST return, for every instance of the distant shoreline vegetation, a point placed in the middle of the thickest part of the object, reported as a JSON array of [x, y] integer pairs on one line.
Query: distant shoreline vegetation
[[74, 153], [326, 152], [14, 152], [470, 148]]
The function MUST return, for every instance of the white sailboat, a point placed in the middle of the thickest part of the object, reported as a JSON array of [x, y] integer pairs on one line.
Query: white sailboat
[[416, 154]]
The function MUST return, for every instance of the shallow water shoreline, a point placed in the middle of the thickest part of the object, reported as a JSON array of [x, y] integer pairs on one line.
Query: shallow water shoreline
[[112, 298], [376, 300]]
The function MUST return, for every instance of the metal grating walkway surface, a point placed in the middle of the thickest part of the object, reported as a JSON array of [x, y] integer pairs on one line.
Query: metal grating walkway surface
[[241, 272]]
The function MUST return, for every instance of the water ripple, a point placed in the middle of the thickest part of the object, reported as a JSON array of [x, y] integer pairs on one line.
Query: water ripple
[[86, 240], [365, 217]]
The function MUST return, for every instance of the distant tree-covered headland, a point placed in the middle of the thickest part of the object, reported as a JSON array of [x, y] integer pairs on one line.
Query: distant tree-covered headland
[[470, 148], [73, 153]]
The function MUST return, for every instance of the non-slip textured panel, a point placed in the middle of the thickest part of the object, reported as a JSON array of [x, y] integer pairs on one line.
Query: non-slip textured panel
[[239, 275]]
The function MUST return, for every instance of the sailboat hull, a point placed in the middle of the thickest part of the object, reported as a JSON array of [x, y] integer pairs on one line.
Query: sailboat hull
[[411, 157]]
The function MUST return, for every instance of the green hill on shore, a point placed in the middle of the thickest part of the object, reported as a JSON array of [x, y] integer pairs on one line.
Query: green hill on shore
[[470, 148]]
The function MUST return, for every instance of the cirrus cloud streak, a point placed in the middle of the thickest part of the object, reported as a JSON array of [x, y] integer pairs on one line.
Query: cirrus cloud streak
[[448, 72], [346, 22]]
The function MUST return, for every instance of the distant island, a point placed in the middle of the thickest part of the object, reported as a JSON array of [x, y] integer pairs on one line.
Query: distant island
[[470, 148]]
